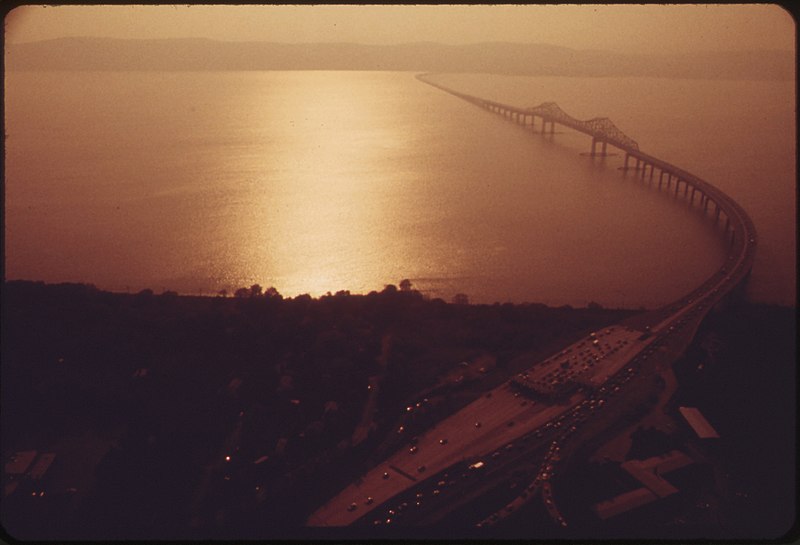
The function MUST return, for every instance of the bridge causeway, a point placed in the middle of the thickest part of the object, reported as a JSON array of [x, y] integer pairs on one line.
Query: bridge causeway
[[605, 133]]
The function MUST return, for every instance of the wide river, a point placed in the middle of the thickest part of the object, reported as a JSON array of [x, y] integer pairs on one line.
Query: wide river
[[324, 181]]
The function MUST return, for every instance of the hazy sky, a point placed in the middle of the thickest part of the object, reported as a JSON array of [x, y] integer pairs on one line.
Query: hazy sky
[[636, 28]]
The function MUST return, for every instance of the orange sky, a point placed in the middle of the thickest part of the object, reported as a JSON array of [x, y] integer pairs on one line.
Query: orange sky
[[634, 28]]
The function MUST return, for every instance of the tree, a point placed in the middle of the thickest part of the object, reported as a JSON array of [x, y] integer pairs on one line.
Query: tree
[[460, 299], [389, 289], [242, 292], [256, 290], [405, 285], [272, 293]]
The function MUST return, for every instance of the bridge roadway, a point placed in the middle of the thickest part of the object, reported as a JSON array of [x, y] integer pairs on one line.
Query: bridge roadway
[[502, 415]]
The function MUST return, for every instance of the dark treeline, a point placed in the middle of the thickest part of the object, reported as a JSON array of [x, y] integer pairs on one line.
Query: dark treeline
[[170, 386], [235, 417]]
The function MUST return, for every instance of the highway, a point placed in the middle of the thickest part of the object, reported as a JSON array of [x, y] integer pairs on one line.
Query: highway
[[491, 422], [569, 386]]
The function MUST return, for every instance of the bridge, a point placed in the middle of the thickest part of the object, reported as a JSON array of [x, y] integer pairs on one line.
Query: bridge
[[555, 399]]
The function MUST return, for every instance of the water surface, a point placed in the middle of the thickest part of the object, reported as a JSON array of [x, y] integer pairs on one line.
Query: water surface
[[324, 181]]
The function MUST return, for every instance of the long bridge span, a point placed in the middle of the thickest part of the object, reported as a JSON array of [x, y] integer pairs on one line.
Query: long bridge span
[[605, 133], [553, 399]]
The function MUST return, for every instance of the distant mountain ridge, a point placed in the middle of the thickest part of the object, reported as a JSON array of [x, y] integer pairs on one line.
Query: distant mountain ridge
[[193, 54]]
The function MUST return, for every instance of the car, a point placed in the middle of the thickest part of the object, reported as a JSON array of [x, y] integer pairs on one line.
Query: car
[[477, 424], [442, 441], [352, 507], [421, 469], [385, 475], [413, 450], [369, 501]]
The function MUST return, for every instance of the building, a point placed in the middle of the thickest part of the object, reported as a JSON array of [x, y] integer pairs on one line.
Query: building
[[698, 422]]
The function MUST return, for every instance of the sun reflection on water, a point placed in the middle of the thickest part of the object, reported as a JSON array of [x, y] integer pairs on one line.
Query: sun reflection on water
[[312, 218]]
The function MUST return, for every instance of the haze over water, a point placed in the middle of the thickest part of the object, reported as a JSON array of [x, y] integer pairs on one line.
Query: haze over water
[[324, 181]]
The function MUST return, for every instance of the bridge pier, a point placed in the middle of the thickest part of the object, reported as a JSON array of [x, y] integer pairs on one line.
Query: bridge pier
[[602, 147], [627, 158]]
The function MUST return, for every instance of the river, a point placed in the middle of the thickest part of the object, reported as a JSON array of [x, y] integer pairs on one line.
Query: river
[[324, 181]]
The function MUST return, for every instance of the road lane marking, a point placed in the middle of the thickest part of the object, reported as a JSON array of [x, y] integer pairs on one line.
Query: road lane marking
[[403, 473]]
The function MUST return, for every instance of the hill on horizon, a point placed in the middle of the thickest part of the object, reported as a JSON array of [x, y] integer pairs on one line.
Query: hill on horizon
[[201, 54]]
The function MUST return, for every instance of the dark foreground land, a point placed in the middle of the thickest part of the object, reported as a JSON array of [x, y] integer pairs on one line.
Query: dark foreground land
[[188, 417]]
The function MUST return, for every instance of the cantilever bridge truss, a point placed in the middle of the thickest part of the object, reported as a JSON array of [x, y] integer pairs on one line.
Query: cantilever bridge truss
[[600, 128]]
